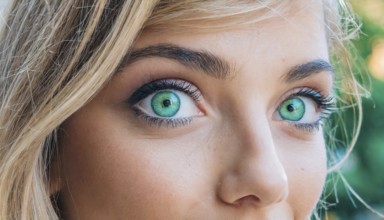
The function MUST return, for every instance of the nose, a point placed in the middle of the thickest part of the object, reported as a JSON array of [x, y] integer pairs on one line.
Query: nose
[[256, 175]]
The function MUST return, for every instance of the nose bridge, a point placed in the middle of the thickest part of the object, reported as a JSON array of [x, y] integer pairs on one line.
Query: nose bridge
[[253, 129], [257, 175]]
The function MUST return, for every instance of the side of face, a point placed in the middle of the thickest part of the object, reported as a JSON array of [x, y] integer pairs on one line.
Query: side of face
[[169, 139]]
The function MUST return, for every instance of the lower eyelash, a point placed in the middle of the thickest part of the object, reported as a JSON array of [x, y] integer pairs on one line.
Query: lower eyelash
[[325, 104], [162, 122], [157, 85], [311, 127], [308, 127]]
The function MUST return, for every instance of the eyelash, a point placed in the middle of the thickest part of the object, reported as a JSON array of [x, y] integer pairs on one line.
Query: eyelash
[[164, 84], [325, 104]]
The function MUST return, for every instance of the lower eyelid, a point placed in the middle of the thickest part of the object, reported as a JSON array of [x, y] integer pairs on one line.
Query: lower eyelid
[[308, 127], [185, 89], [300, 131], [161, 122]]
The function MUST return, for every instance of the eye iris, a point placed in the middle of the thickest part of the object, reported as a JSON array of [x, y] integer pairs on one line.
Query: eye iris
[[292, 109], [165, 103]]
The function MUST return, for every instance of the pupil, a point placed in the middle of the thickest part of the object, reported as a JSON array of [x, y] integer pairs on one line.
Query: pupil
[[167, 103], [290, 108]]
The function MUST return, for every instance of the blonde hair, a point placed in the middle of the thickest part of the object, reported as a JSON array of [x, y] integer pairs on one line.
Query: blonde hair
[[56, 55]]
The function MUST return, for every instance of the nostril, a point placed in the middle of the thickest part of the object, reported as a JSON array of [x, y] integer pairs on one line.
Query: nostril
[[254, 200], [248, 200]]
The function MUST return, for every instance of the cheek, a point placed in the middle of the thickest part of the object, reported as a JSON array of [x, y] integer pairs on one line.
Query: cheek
[[107, 168], [306, 169]]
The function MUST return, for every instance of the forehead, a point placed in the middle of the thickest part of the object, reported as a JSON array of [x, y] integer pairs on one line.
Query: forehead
[[273, 45], [221, 15], [273, 22]]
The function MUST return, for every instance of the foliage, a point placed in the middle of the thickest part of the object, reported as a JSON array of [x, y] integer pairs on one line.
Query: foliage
[[364, 170]]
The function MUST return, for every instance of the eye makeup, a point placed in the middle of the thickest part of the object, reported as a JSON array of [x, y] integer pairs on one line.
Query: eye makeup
[[173, 87], [324, 108], [164, 84], [160, 96]]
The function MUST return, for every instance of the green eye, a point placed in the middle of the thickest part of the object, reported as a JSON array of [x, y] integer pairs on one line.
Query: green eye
[[292, 109], [165, 103]]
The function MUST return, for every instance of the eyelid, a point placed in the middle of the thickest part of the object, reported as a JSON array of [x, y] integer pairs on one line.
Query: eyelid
[[308, 92], [188, 89], [164, 84], [324, 104]]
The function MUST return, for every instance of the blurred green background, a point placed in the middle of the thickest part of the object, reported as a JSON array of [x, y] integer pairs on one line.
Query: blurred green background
[[364, 170]]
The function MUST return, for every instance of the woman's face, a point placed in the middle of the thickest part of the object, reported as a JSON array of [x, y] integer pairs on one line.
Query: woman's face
[[220, 125]]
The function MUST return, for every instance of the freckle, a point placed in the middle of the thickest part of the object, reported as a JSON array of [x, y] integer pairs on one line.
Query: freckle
[[302, 169]]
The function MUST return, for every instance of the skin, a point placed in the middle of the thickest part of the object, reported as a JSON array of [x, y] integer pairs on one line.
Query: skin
[[236, 160]]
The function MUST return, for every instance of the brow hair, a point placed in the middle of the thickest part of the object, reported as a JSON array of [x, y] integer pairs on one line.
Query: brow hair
[[215, 66], [307, 69], [199, 60]]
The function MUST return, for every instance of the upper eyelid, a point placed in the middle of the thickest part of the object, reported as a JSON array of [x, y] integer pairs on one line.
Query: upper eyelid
[[308, 93], [327, 101], [176, 84], [325, 110], [297, 91]]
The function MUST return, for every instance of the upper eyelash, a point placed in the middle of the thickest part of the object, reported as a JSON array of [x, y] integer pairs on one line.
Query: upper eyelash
[[158, 85], [164, 84], [325, 103]]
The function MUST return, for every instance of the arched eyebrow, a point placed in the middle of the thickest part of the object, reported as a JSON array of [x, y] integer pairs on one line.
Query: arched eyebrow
[[305, 70], [214, 66], [201, 61]]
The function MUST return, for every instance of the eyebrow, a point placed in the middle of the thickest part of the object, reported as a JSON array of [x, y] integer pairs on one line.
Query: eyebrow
[[215, 66], [305, 70], [198, 60]]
